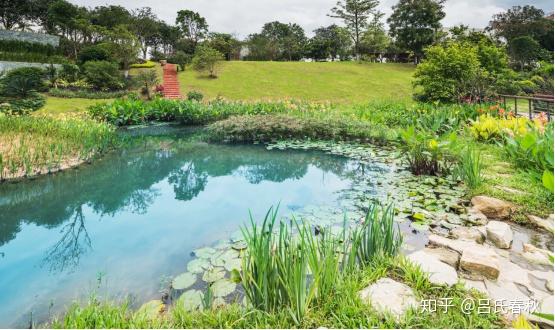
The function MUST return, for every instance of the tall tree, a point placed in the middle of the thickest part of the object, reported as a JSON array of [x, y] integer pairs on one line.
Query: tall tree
[[284, 41], [14, 13], [416, 24], [193, 26], [331, 41], [355, 14], [110, 16], [124, 46], [225, 44], [523, 21], [145, 25], [375, 39]]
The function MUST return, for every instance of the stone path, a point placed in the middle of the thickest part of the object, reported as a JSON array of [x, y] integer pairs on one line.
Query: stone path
[[171, 84]]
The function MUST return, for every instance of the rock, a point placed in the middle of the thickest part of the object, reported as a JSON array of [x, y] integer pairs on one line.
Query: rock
[[452, 244], [152, 309], [447, 256], [549, 285], [493, 208], [536, 255], [480, 261], [440, 273], [476, 285], [476, 217], [389, 296], [468, 233], [500, 234], [546, 224]]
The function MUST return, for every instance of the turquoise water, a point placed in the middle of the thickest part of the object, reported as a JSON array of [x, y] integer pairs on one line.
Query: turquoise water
[[126, 223]]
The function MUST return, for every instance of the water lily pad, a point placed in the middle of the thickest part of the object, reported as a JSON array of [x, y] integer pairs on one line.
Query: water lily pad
[[239, 245], [233, 264], [191, 300], [214, 274], [419, 216], [420, 226], [223, 287], [222, 258], [205, 252], [184, 281], [152, 309], [198, 266]]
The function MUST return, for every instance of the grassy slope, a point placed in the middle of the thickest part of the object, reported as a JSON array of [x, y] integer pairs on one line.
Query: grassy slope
[[341, 82], [58, 105]]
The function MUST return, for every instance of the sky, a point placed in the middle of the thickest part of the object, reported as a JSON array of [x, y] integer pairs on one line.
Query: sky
[[243, 17]]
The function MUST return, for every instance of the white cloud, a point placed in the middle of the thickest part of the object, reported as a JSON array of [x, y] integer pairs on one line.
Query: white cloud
[[243, 17]]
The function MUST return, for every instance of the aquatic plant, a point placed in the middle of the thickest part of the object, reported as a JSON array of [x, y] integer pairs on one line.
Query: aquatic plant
[[469, 168]]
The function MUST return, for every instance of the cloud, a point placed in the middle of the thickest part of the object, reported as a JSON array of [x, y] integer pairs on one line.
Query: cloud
[[243, 17]]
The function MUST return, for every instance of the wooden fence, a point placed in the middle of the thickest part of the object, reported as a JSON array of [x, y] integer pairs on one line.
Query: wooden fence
[[533, 105]]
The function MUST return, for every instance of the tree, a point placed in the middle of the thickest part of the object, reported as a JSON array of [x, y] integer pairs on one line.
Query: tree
[[192, 25], [14, 13], [375, 40], [124, 46], [355, 14], [70, 22], [145, 25], [225, 44], [524, 50], [110, 16], [168, 37], [523, 21], [283, 41], [415, 24], [332, 41], [181, 59], [207, 60], [148, 79]]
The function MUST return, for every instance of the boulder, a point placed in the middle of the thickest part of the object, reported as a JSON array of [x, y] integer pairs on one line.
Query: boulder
[[500, 234], [389, 296], [447, 256], [536, 255], [476, 217], [546, 224], [493, 208], [452, 244], [480, 261], [440, 273], [468, 233]]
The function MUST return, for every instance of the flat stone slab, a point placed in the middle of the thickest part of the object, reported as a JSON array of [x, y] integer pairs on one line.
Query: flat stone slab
[[493, 208], [447, 256], [440, 273], [546, 224], [500, 234], [481, 261], [536, 255], [389, 297], [468, 233], [455, 245]]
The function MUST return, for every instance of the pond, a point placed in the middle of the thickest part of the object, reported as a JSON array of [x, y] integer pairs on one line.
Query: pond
[[128, 223]]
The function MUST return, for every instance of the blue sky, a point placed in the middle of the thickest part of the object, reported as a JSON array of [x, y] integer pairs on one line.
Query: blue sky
[[243, 17]]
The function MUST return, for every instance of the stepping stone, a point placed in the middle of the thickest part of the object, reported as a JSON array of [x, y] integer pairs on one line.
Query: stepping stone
[[476, 217], [546, 224], [440, 273], [452, 244], [468, 233], [481, 261], [500, 234], [493, 208], [387, 296], [536, 255], [447, 256]]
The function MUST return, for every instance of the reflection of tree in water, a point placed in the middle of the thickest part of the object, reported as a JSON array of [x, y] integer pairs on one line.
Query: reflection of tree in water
[[125, 181], [75, 241]]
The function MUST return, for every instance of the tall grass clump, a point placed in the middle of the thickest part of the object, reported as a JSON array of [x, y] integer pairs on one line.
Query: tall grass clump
[[288, 267], [469, 168], [32, 145]]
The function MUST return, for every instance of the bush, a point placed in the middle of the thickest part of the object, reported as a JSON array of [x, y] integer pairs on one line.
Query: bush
[[181, 59], [21, 106], [21, 82], [145, 65], [488, 128], [30, 57], [85, 93], [24, 47], [103, 75], [69, 72], [207, 60], [97, 52], [195, 96]]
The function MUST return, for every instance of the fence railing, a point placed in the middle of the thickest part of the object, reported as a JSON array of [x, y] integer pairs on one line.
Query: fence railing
[[529, 105]]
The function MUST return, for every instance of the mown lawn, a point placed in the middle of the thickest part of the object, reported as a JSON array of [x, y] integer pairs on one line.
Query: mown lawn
[[338, 82], [59, 105]]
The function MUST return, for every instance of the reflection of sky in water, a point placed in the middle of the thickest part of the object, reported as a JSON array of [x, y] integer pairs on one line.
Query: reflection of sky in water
[[150, 234]]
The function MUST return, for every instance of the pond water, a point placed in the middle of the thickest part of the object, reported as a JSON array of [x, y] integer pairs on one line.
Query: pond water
[[127, 223]]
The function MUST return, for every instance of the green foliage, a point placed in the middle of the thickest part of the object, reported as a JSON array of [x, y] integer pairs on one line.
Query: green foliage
[[145, 65], [147, 79], [181, 59], [195, 96], [85, 94], [524, 50], [103, 75], [426, 153], [207, 60], [98, 52], [19, 46], [192, 25], [469, 168], [22, 82], [30, 57], [332, 41], [21, 106]]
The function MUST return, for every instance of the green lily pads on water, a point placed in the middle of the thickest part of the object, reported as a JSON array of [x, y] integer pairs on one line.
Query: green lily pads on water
[[233, 264], [214, 274], [184, 281], [221, 259], [191, 300], [239, 245], [420, 226], [198, 266], [205, 252], [223, 287]]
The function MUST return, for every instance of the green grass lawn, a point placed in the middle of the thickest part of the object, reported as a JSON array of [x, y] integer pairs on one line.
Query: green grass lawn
[[338, 82], [58, 105]]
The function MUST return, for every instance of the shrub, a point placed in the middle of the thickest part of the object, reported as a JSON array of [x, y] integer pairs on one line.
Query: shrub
[[207, 60], [69, 72], [103, 75], [488, 128], [24, 47], [195, 96], [97, 52], [85, 93], [30, 57], [145, 65], [22, 106], [181, 59], [425, 153], [21, 82], [147, 79]]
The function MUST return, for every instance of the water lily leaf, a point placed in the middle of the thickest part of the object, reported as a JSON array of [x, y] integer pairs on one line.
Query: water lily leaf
[[240, 245], [191, 300], [419, 216], [420, 226], [232, 264], [214, 274], [223, 287], [205, 252], [184, 281], [152, 309], [222, 258], [198, 266]]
